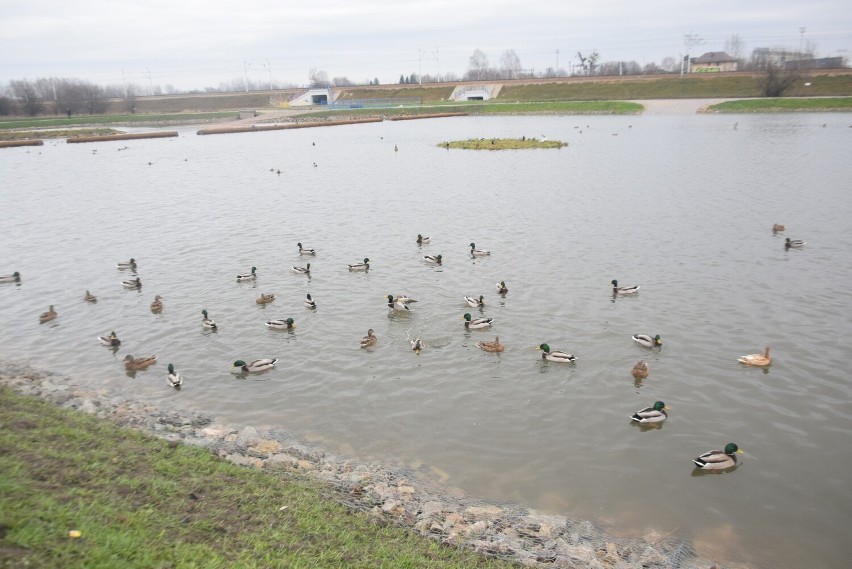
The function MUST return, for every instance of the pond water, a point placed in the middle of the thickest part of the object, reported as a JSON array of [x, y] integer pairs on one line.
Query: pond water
[[681, 205]]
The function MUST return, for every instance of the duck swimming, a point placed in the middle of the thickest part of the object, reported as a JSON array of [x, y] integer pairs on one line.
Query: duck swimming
[[90, 297], [281, 324], [174, 378], [474, 252], [302, 270], [648, 341], [717, 459], [131, 264], [111, 340], [131, 363], [759, 360], [655, 414], [417, 345], [793, 243], [133, 283], [157, 305], [47, 316], [640, 370], [434, 259], [365, 266], [490, 345], [265, 298], [207, 323], [310, 302], [476, 323], [247, 276], [474, 302], [255, 366], [13, 278], [555, 355], [623, 289], [397, 304], [501, 287], [304, 251], [369, 340], [421, 240]]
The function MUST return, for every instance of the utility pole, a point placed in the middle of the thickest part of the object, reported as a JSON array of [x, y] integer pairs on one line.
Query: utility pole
[[438, 59], [689, 41], [556, 71], [801, 42], [420, 66], [245, 73]]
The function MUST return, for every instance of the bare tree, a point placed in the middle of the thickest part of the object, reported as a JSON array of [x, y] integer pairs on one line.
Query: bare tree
[[510, 64], [776, 80], [318, 78], [478, 65], [588, 63], [341, 82], [25, 92], [735, 47], [669, 64], [93, 97]]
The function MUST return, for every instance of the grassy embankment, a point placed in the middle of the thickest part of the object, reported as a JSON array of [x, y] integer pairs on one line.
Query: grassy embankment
[[140, 502], [502, 144], [66, 127], [783, 105]]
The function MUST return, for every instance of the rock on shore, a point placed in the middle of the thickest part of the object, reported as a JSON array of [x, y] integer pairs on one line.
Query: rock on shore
[[393, 493]]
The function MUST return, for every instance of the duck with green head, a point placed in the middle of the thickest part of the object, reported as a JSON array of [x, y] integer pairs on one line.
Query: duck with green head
[[207, 323], [718, 459], [472, 323], [174, 378], [648, 341], [555, 355], [247, 276], [623, 289], [655, 414], [13, 278], [284, 324], [365, 266], [474, 252], [255, 366]]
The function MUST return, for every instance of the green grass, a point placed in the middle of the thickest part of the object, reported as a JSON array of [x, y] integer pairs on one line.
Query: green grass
[[141, 502], [59, 133], [783, 105], [83, 120], [483, 108], [502, 144]]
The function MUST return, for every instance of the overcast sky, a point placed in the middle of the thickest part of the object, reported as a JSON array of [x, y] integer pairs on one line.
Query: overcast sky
[[191, 44]]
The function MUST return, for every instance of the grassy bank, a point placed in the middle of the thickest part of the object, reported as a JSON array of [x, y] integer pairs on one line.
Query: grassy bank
[[129, 119], [783, 105], [143, 502]]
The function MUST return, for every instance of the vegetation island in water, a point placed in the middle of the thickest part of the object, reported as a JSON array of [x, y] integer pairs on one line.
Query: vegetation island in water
[[503, 143]]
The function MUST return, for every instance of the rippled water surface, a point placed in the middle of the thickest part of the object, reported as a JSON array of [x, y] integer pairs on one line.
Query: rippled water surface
[[681, 205]]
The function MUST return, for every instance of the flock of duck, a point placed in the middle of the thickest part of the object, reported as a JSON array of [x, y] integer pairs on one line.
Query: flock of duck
[[711, 460]]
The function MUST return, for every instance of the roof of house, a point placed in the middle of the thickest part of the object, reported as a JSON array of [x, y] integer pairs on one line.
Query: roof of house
[[713, 57]]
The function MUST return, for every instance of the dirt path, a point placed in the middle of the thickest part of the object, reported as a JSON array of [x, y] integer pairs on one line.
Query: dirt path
[[676, 106]]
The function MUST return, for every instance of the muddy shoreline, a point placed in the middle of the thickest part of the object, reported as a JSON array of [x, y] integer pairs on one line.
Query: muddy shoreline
[[393, 492]]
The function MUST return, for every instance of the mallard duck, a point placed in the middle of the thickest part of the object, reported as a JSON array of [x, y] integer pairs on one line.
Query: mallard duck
[[761, 360], [310, 302], [417, 345], [13, 278], [365, 266], [501, 287], [174, 378], [256, 366], [490, 346], [640, 370], [474, 252], [476, 323], [247, 276], [777, 228], [555, 356], [474, 302], [131, 363], [717, 459], [434, 259], [133, 283], [302, 270], [369, 340], [648, 341], [421, 240], [655, 414], [793, 243], [157, 305], [131, 264], [206, 322], [280, 324], [304, 251], [623, 289], [112, 340], [265, 298], [90, 297], [47, 316], [397, 304]]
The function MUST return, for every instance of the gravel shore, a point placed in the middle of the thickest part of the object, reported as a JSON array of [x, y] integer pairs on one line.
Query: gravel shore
[[391, 492]]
